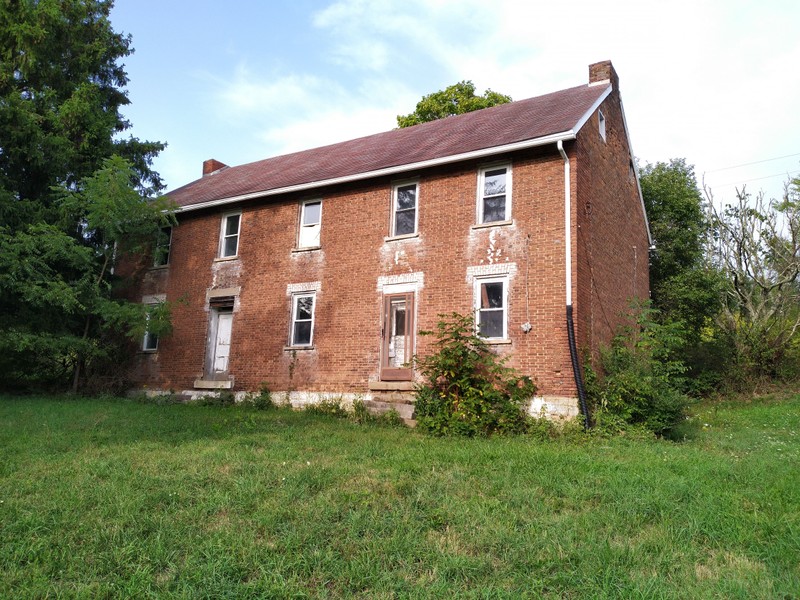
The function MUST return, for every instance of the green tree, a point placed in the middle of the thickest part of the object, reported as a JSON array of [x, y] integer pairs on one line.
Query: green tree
[[61, 91], [683, 288], [71, 187], [456, 99], [68, 309]]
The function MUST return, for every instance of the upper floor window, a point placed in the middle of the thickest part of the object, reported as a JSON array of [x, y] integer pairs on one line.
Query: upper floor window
[[163, 243], [229, 237], [310, 224], [494, 194], [404, 209], [491, 307], [601, 121], [302, 333]]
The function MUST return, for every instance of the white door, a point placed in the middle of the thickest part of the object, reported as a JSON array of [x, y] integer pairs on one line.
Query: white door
[[222, 345]]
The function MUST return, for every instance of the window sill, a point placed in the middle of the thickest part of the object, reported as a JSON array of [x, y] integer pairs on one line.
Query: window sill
[[226, 258], [153, 351], [396, 238], [493, 224], [305, 249], [294, 348], [498, 341], [160, 267]]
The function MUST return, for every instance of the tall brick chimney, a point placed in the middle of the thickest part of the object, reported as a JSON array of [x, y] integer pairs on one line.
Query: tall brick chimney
[[212, 165], [603, 71]]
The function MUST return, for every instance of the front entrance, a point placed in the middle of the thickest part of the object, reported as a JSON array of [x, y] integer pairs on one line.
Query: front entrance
[[219, 343], [397, 337]]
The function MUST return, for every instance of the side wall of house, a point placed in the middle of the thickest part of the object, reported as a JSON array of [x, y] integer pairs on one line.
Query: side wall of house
[[612, 241], [353, 267]]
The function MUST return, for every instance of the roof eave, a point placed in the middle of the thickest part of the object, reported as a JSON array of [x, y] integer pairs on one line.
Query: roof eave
[[444, 160]]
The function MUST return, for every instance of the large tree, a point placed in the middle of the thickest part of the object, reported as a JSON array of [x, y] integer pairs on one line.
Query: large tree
[[756, 244], [456, 99], [682, 286], [61, 91]]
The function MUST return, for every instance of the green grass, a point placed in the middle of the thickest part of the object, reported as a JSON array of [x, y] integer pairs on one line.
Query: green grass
[[112, 498]]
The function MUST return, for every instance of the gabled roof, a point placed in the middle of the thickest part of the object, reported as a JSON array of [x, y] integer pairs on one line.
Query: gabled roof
[[520, 124]]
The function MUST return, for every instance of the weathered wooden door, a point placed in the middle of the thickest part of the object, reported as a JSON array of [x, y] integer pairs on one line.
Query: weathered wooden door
[[222, 343], [397, 337]]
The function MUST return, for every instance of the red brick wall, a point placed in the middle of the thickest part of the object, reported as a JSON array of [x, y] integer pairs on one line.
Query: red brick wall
[[612, 241]]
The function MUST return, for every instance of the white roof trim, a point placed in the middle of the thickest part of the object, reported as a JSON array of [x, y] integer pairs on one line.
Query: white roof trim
[[636, 173], [483, 152], [582, 121]]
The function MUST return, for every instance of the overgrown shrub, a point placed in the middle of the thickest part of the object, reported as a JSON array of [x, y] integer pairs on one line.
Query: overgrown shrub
[[331, 407], [468, 389], [260, 401], [223, 398], [641, 382]]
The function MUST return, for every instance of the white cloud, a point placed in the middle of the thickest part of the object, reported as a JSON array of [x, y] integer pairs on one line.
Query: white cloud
[[709, 80]]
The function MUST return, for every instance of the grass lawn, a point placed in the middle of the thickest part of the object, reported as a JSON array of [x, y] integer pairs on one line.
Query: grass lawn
[[112, 498]]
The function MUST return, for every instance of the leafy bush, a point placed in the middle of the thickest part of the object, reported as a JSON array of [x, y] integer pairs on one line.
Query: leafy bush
[[468, 390], [260, 401], [223, 398], [332, 407], [642, 381]]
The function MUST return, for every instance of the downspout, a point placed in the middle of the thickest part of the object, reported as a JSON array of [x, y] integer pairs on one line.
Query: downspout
[[573, 350]]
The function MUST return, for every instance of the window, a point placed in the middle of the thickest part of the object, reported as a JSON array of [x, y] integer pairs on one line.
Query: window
[[161, 251], [150, 340], [310, 220], [494, 194], [229, 238], [601, 120], [491, 307], [302, 320], [404, 209]]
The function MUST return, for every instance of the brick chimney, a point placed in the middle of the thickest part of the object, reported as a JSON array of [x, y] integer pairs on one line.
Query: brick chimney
[[603, 71], [212, 165]]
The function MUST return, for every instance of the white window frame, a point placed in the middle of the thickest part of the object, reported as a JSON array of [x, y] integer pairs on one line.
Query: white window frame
[[309, 233], [480, 195], [223, 236], [478, 281], [395, 189], [158, 261], [601, 124], [295, 298]]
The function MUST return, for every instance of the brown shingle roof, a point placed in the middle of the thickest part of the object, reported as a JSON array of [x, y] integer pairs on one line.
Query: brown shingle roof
[[488, 128]]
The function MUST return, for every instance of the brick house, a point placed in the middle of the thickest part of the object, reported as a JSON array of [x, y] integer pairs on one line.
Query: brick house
[[314, 272]]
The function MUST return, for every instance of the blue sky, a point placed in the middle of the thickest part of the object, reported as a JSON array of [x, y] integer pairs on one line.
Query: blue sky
[[712, 81]]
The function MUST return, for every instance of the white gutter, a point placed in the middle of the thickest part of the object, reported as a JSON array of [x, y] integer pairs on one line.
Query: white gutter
[[567, 223], [483, 152]]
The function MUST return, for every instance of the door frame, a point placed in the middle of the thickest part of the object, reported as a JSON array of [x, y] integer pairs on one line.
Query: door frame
[[217, 307], [388, 373]]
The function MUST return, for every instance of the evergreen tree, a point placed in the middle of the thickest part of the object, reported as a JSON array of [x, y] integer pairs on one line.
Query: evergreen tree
[[61, 139]]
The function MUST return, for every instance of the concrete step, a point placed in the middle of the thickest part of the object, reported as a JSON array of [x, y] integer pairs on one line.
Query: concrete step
[[405, 410]]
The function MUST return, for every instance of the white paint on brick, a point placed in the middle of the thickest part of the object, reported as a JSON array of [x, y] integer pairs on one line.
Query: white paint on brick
[[386, 283], [310, 286], [300, 399], [507, 268], [154, 298], [554, 407]]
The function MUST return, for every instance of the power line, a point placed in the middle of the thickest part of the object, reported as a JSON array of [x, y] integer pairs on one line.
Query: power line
[[756, 162], [787, 173]]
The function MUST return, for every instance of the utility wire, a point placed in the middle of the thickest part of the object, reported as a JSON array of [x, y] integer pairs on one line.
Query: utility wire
[[756, 162], [784, 174]]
